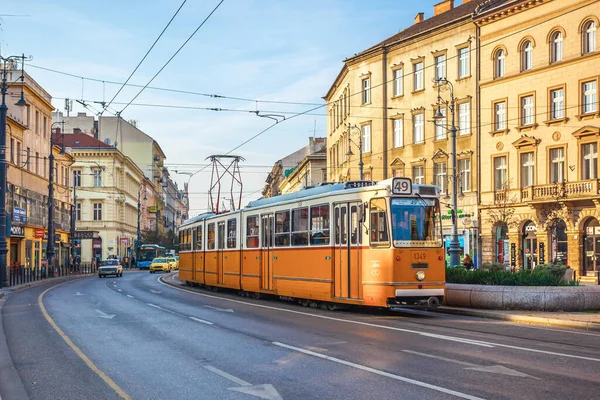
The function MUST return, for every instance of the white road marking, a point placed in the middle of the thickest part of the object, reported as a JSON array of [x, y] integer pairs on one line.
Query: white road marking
[[229, 310], [455, 339], [267, 392], [154, 291], [155, 306], [391, 328], [130, 296], [119, 290], [225, 375], [378, 372], [201, 321], [468, 364], [78, 294], [104, 315]]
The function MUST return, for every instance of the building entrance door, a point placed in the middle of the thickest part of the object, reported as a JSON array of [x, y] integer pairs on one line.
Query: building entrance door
[[592, 247], [530, 246]]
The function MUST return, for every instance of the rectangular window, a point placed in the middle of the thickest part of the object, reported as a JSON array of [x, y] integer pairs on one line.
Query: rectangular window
[[379, 228], [231, 233], [77, 178], [441, 126], [221, 235], [500, 116], [45, 126], [464, 118], [557, 108], [45, 171], [366, 91], [589, 97], [440, 67], [199, 237], [439, 173], [319, 225], [210, 240], [78, 212], [398, 82], [527, 110], [97, 178], [463, 62], [589, 154], [97, 211], [418, 129], [464, 174], [282, 228], [366, 138], [418, 76], [398, 172], [300, 227], [37, 163], [557, 165], [37, 121], [419, 174], [527, 173], [19, 156], [500, 173], [28, 160], [252, 232], [398, 132]]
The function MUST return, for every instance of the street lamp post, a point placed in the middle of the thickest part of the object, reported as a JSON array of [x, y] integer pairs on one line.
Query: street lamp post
[[50, 252], [359, 145], [3, 169], [454, 243]]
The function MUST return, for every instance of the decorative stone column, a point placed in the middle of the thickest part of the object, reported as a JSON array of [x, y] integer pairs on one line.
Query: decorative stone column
[[543, 237], [575, 249]]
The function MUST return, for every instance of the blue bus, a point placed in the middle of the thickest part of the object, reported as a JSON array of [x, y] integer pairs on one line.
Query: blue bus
[[147, 253]]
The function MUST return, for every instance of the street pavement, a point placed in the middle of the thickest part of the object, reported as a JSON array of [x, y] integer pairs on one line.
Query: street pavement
[[136, 337]]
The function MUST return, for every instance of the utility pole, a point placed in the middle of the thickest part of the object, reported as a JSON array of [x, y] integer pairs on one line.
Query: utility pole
[[3, 167], [73, 218]]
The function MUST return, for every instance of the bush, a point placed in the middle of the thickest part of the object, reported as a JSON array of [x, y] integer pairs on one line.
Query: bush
[[557, 270], [493, 266], [536, 277]]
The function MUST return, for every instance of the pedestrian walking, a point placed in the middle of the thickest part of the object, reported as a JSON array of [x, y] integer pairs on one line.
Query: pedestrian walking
[[467, 262]]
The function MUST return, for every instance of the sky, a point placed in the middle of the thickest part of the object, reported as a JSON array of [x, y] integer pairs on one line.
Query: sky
[[258, 50]]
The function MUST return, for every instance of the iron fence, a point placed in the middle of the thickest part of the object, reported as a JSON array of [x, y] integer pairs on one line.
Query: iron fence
[[19, 274]]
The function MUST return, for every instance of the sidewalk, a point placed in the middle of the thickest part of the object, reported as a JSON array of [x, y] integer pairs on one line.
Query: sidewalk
[[6, 290], [589, 321]]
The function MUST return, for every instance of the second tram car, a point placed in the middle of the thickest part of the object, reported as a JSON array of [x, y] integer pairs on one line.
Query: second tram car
[[361, 243]]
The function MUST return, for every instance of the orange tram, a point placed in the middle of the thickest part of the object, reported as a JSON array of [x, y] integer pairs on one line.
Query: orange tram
[[338, 244]]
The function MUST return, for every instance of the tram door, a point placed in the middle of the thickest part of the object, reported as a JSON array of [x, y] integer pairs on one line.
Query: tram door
[[347, 250], [220, 253], [266, 259]]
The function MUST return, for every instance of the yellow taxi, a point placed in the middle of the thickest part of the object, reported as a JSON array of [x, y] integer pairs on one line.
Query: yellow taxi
[[160, 264], [174, 262]]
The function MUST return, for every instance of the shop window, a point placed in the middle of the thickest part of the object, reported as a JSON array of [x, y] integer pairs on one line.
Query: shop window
[[558, 242]]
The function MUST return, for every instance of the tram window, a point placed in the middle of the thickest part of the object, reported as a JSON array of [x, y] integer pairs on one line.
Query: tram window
[[319, 225], [231, 233], [355, 237], [252, 232], [210, 242], [221, 237], [188, 239], [379, 229], [300, 227], [337, 224], [198, 245], [282, 229]]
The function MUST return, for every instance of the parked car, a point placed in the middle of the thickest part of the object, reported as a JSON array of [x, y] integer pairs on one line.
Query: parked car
[[174, 261], [160, 264], [110, 267]]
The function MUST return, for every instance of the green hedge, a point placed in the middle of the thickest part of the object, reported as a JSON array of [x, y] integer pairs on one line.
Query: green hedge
[[491, 274]]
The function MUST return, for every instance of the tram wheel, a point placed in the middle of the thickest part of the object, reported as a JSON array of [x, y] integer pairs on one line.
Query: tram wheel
[[256, 295], [304, 303], [314, 304], [332, 306]]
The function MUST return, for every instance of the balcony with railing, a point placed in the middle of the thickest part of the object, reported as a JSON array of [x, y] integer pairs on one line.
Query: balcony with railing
[[563, 190]]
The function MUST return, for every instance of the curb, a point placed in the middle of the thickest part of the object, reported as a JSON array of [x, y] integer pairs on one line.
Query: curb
[[523, 319], [11, 385], [22, 286]]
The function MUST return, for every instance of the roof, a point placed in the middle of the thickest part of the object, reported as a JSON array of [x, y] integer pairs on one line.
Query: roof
[[457, 13], [76, 140]]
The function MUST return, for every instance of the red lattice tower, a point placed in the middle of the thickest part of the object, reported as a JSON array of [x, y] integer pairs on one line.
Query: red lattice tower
[[224, 168]]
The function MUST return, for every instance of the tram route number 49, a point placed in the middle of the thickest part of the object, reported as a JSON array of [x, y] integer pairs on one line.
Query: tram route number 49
[[402, 186]]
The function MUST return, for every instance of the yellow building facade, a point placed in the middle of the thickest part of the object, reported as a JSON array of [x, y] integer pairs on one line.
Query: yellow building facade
[[385, 98], [540, 132]]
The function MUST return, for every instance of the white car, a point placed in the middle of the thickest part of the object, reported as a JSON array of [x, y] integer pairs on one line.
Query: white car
[[110, 267]]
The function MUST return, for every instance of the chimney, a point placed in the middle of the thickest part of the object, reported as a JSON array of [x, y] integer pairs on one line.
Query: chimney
[[419, 18], [443, 6]]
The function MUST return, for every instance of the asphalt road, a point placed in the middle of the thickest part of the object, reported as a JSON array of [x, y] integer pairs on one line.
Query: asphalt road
[[135, 337]]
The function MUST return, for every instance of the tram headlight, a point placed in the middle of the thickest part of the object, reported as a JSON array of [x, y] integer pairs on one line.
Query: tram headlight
[[420, 275]]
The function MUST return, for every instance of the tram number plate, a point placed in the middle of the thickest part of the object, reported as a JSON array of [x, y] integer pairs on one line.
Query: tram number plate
[[402, 186], [419, 256]]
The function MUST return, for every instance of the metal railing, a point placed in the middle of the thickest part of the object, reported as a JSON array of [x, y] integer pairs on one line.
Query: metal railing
[[19, 274]]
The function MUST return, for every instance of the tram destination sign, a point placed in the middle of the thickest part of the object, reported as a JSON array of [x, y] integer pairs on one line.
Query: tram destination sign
[[402, 186]]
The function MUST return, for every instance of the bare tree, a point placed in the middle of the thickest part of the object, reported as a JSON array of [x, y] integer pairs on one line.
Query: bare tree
[[503, 210]]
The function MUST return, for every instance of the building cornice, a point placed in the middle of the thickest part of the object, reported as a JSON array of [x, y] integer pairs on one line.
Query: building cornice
[[505, 11]]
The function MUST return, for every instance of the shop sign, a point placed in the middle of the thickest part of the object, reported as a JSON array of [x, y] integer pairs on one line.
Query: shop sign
[[40, 233], [153, 210], [17, 231], [19, 215], [513, 255], [85, 235], [542, 255], [125, 240], [97, 245]]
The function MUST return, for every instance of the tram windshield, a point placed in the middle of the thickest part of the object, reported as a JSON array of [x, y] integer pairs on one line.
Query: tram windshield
[[416, 222]]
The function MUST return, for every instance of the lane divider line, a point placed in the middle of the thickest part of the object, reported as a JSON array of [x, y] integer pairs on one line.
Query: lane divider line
[[130, 296], [225, 375], [391, 328], [76, 349], [155, 306], [201, 321], [379, 372]]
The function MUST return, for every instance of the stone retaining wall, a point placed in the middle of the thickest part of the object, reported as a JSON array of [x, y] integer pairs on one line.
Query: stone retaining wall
[[544, 298]]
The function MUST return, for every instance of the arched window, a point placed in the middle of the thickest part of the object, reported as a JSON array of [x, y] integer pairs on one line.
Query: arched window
[[499, 63], [526, 55], [556, 47], [589, 37]]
